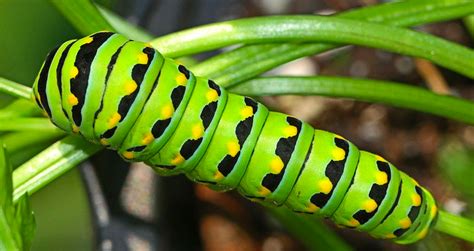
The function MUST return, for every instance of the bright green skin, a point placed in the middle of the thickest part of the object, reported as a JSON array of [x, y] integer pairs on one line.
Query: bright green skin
[[128, 97]]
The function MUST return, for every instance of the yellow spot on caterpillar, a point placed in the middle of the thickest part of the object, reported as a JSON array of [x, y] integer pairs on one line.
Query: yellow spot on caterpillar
[[433, 211], [276, 165], [88, 40], [130, 87], [149, 45], [338, 154], [263, 191], [181, 79], [218, 176], [72, 100], [352, 223], [212, 95], [197, 131], [73, 72], [369, 205], [142, 58], [405, 223], [148, 138], [113, 121], [290, 131], [390, 236], [167, 111], [104, 142], [415, 199], [128, 155], [423, 233], [75, 129], [325, 185], [177, 160], [380, 158], [312, 208], [381, 178], [233, 147], [246, 112]]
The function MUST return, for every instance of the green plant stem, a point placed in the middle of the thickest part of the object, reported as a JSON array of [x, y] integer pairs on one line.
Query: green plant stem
[[26, 124], [319, 29], [20, 108], [83, 15], [56, 160], [312, 232], [124, 27], [34, 138], [385, 92], [455, 225], [14, 89], [469, 22]]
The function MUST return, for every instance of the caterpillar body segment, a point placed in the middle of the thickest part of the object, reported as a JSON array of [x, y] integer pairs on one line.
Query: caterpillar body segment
[[126, 96]]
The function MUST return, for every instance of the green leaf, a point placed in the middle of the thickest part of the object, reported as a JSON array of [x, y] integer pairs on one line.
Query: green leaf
[[17, 223], [26, 124]]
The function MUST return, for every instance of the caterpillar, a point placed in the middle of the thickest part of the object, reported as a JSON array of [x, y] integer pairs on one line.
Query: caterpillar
[[126, 96]]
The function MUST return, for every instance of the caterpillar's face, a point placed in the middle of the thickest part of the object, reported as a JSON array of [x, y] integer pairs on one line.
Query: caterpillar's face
[[97, 85]]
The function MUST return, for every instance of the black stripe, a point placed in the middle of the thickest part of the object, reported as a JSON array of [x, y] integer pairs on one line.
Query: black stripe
[[284, 150], [59, 72], [84, 58], [110, 67], [42, 81]]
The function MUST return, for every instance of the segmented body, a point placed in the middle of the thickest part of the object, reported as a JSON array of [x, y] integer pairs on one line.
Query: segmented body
[[125, 95]]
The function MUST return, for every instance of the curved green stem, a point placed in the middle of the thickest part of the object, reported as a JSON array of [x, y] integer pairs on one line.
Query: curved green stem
[[26, 124], [56, 160], [455, 225], [83, 14], [229, 68], [14, 89], [391, 93]]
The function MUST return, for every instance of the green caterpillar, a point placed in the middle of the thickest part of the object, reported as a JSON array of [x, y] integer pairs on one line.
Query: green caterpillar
[[126, 96]]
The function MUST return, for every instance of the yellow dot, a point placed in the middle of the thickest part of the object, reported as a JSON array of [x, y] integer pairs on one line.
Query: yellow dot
[[352, 223], [218, 176], [325, 185], [390, 236], [167, 111], [113, 121], [181, 79], [405, 223], [290, 131], [416, 199], [130, 87], [88, 40], [148, 138], [369, 205], [433, 211], [276, 165], [72, 100], [75, 129], [177, 160], [338, 154], [233, 147], [246, 112], [263, 191], [380, 158], [73, 72], [212, 95], [149, 45], [142, 58], [197, 131], [381, 178], [423, 233], [104, 142], [128, 155], [312, 208]]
